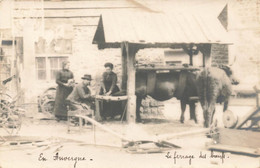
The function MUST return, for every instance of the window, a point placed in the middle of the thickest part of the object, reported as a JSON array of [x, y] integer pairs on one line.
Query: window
[[47, 67], [55, 65], [41, 68]]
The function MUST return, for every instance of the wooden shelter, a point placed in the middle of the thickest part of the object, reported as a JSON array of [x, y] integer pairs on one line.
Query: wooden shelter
[[139, 30]]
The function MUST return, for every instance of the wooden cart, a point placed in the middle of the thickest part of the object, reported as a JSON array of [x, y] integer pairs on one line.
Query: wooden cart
[[241, 135]]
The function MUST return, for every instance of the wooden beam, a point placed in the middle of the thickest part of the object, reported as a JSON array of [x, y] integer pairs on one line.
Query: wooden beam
[[131, 50], [245, 118], [124, 66], [111, 98], [206, 51]]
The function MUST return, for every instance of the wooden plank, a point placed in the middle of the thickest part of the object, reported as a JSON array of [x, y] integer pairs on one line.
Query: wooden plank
[[240, 138], [175, 68], [111, 98], [103, 127], [244, 119], [183, 134], [236, 149]]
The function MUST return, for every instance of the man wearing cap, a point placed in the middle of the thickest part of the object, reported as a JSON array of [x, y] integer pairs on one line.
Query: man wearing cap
[[81, 94]]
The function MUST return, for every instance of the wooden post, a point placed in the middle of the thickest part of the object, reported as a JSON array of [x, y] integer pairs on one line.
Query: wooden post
[[97, 114], [131, 105], [28, 75], [191, 54], [19, 61], [124, 66], [206, 51], [191, 58], [188, 50]]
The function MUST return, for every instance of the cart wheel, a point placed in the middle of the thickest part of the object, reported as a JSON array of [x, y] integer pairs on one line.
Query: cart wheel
[[11, 123], [48, 95], [48, 107], [229, 119]]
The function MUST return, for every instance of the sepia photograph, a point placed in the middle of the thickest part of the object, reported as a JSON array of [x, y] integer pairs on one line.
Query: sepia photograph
[[129, 83]]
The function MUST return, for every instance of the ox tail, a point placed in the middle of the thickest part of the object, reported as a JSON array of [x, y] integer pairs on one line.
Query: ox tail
[[203, 88], [204, 93], [206, 98]]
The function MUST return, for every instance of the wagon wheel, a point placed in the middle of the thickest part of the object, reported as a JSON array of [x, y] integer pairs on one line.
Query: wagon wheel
[[9, 120], [48, 95], [5, 97], [5, 101], [12, 124], [48, 106], [229, 119]]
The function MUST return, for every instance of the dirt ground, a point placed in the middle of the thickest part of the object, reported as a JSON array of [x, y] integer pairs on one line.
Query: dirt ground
[[99, 149]]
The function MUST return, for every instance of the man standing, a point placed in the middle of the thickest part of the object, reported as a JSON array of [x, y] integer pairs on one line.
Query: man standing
[[81, 95]]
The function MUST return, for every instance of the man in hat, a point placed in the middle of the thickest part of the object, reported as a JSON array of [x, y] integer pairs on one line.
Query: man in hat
[[81, 95]]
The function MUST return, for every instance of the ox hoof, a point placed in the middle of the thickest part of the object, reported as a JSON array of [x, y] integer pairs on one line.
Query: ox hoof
[[138, 120], [182, 120]]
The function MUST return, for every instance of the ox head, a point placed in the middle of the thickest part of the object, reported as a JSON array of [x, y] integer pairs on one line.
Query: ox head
[[228, 70]]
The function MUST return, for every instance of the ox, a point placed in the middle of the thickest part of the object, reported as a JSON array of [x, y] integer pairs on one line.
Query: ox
[[164, 86], [212, 85]]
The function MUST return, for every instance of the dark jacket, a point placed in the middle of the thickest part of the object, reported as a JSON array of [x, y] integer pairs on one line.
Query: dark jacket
[[108, 82], [80, 94]]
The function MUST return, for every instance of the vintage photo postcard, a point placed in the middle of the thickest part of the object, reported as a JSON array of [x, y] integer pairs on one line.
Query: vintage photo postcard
[[129, 83]]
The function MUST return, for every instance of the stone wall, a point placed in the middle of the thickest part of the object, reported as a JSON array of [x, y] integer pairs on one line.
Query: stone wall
[[244, 28], [219, 54], [87, 58], [151, 108]]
